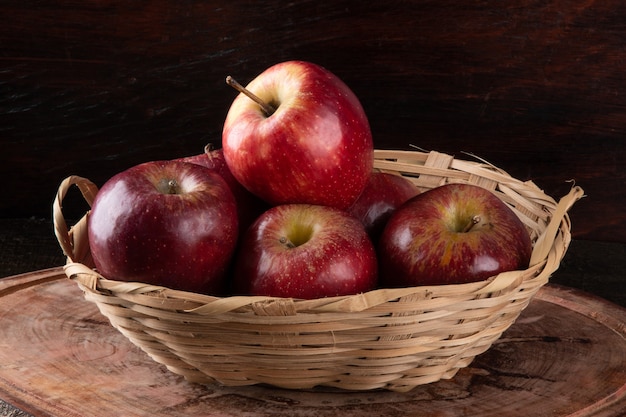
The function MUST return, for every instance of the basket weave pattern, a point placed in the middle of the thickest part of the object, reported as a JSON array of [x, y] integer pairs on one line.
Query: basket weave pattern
[[391, 339]]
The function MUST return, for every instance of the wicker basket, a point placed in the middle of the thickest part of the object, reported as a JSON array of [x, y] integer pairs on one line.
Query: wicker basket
[[391, 339]]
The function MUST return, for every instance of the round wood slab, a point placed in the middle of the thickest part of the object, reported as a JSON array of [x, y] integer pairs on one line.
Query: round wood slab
[[565, 356]]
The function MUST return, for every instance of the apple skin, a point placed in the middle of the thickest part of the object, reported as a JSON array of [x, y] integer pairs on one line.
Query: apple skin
[[382, 195], [139, 231], [249, 206], [305, 251], [316, 148], [424, 243]]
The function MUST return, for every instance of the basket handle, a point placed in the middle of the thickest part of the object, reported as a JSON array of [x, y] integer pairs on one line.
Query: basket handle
[[544, 243], [66, 236]]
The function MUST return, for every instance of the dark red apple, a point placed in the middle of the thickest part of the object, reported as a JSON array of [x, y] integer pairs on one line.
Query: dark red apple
[[452, 234], [382, 195], [249, 206], [165, 223], [305, 251], [311, 144]]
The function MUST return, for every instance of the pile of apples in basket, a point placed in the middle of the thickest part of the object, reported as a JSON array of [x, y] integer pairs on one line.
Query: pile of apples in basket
[[291, 206]]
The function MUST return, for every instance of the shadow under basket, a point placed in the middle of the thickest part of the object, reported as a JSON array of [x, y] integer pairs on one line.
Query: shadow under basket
[[392, 339]]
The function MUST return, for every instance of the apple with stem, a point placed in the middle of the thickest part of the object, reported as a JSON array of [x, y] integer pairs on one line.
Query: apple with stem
[[298, 134], [305, 251], [166, 223], [383, 194], [452, 234]]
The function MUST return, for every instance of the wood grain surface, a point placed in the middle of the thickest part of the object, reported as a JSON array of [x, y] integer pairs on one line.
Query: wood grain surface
[[59, 357], [536, 88]]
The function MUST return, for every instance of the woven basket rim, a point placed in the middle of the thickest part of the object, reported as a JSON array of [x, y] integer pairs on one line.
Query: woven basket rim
[[204, 304]]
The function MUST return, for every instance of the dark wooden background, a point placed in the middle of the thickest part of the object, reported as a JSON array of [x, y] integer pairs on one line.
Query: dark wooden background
[[535, 87]]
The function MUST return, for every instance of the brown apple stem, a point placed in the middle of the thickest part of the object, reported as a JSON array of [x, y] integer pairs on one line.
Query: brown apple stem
[[267, 108], [172, 187], [473, 222], [168, 186], [208, 148], [287, 242]]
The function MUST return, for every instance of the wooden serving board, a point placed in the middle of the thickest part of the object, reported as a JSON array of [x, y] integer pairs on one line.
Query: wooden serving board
[[565, 356]]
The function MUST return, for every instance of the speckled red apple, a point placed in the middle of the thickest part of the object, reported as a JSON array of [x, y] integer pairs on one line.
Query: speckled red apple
[[249, 206], [312, 146], [166, 223], [452, 234], [305, 251], [382, 195]]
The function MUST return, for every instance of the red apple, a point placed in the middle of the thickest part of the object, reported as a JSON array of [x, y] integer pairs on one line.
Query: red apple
[[452, 234], [312, 145], [305, 251], [382, 195], [249, 206], [165, 223]]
